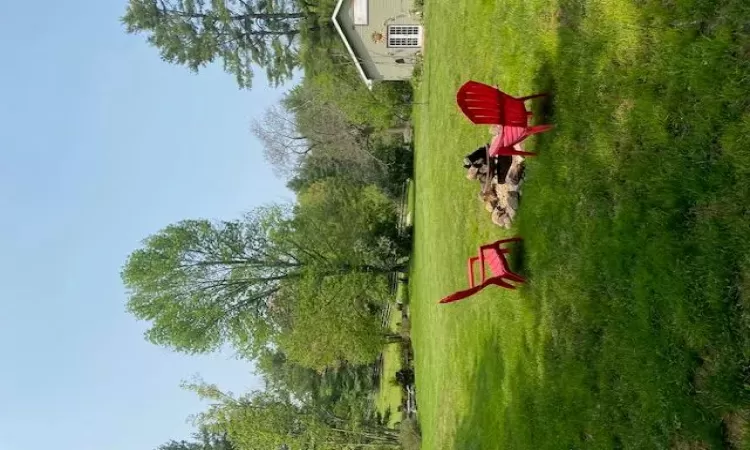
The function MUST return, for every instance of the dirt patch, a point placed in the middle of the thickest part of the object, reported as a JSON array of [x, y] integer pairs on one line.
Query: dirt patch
[[704, 371], [735, 427]]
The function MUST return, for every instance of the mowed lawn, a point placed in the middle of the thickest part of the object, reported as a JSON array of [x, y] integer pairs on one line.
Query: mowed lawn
[[389, 395], [634, 328]]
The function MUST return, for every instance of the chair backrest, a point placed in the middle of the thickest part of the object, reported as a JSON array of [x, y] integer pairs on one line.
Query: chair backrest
[[496, 261], [510, 136], [486, 105]]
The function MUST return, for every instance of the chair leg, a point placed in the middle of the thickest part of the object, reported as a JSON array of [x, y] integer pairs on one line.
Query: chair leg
[[539, 129], [514, 148], [502, 241], [460, 295], [529, 97], [516, 152], [472, 260], [515, 277]]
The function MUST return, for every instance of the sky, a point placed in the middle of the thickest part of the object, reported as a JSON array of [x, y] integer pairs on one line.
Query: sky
[[102, 144]]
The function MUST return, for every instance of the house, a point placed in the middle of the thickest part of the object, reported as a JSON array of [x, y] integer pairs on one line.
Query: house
[[383, 37]]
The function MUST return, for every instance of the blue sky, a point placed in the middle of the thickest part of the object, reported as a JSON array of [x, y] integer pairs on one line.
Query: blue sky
[[101, 144]]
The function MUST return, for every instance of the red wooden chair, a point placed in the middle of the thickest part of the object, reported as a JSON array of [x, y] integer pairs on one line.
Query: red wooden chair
[[487, 105], [494, 256]]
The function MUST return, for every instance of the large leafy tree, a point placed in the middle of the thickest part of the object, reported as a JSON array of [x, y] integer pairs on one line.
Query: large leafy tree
[[262, 420], [241, 33], [334, 322], [383, 106], [202, 284], [342, 389], [350, 223]]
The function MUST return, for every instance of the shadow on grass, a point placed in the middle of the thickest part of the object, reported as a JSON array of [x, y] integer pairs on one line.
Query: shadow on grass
[[477, 428], [518, 258], [544, 82], [637, 232]]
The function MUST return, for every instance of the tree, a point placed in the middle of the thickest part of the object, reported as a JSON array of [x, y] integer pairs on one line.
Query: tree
[[283, 146], [181, 445], [213, 439], [202, 284], [307, 127], [390, 176], [335, 321], [287, 378], [351, 223], [241, 33], [344, 391], [312, 170], [205, 440], [261, 420], [386, 105]]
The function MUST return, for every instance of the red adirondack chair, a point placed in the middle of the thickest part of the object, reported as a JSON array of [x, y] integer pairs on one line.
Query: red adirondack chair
[[487, 105], [493, 255]]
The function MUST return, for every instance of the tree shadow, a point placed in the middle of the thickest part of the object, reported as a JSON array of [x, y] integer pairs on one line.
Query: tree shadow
[[480, 421], [544, 82], [518, 258], [647, 222]]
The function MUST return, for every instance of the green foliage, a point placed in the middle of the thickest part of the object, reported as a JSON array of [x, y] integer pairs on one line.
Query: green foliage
[[333, 319], [286, 378], [240, 33], [344, 391], [311, 171], [264, 420], [387, 104], [306, 128], [202, 284], [181, 445], [334, 322], [353, 224], [390, 167], [206, 440], [398, 159]]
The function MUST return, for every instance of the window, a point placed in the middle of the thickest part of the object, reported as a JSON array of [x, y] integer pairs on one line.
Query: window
[[403, 36]]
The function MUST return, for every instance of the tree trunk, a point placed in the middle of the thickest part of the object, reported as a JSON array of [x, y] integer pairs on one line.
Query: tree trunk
[[294, 15], [366, 268], [376, 437], [290, 33], [265, 16], [393, 338]]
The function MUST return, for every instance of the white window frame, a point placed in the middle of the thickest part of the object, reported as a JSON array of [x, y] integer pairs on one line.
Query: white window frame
[[404, 36]]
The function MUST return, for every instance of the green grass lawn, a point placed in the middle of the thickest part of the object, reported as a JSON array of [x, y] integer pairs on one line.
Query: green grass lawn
[[388, 397], [633, 331]]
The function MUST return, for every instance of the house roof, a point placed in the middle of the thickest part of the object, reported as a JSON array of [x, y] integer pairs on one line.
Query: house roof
[[357, 61]]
